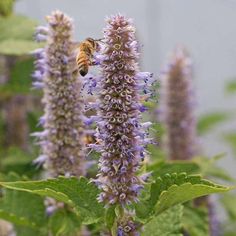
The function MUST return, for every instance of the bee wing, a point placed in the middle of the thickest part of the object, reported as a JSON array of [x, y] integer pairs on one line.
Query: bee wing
[[76, 48], [76, 44]]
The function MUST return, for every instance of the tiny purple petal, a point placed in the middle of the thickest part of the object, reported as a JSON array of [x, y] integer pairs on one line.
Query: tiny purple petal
[[41, 38], [38, 85], [42, 30], [90, 120], [40, 160]]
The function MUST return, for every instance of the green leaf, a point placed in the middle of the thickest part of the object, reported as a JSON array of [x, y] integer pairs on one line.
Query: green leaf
[[16, 27], [209, 121], [64, 223], [16, 36], [166, 224], [195, 221], [20, 81], [173, 189], [17, 47], [17, 161], [110, 216], [23, 208], [78, 193], [163, 167], [26, 231]]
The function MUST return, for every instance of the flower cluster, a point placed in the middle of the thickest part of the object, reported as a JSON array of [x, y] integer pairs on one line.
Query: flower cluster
[[62, 138], [121, 136], [127, 226], [177, 108]]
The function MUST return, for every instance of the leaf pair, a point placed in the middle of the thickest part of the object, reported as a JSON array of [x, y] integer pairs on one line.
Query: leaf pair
[[157, 205], [173, 189]]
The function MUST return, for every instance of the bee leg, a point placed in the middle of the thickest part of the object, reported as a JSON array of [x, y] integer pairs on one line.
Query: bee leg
[[93, 62]]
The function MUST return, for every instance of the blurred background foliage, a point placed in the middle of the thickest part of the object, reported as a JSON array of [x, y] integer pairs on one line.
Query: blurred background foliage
[[20, 106]]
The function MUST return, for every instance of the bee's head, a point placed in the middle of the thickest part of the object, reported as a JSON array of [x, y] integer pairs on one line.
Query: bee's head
[[94, 43]]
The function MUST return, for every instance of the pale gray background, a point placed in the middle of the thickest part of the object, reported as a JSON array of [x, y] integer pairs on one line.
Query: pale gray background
[[206, 27]]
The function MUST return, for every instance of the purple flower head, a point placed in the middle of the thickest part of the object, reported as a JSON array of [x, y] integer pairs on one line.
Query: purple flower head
[[56, 72], [127, 226], [177, 107], [119, 111]]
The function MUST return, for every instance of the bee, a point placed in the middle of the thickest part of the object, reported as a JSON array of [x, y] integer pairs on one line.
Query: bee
[[89, 139], [84, 57]]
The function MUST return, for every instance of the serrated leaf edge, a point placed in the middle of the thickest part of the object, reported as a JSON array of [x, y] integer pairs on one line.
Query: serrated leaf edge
[[163, 194]]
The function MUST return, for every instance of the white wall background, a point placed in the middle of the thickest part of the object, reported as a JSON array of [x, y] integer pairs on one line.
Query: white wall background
[[206, 27]]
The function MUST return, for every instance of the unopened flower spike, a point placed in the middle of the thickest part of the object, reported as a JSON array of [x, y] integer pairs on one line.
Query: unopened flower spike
[[56, 72], [176, 102]]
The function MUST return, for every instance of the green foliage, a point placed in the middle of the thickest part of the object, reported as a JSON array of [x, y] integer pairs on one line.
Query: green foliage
[[230, 139], [167, 223], [20, 79], [231, 233], [210, 168], [6, 7], [23, 209], [18, 161], [16, 36], [161, 168], [64, 223], [16, 27], [158, 129], [172, 189], [33, 120], [26, 231], [110, 217], [228, 201], [17, 47], [156, 153], [78, 193], [195, 220], [231, 87], [209, 121], [2, 129]]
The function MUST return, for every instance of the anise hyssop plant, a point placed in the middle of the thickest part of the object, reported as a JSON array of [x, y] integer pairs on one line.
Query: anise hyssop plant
[[62, 139], [121, 134]]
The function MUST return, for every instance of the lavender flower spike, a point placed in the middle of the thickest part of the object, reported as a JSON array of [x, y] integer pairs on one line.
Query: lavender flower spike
[[177, 108], [119, 125], [62, 138]]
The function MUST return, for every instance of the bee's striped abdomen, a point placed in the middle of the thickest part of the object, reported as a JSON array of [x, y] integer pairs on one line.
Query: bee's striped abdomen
[[83, 63]]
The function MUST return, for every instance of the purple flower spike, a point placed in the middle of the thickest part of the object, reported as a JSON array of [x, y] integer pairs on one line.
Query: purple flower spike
[[62, 141], [127, 226], [119, 112], [177, 108]]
